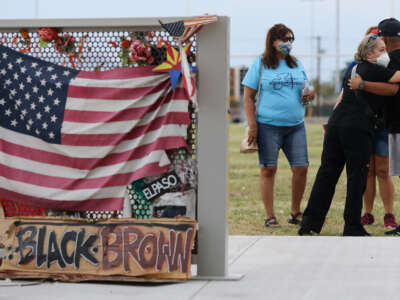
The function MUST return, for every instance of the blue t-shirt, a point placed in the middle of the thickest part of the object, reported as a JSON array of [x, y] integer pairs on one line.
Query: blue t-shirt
[[280, 95]]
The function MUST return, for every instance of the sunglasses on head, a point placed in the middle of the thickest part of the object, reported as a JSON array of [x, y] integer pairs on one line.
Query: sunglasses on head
[[287, 39], [373, 37]]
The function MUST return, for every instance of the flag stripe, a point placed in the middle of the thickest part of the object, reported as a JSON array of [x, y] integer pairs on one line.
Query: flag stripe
[[72, 173], [105, 204], [57, 194], [115, 139], [82, 164], [96, 148], [122, 126], [109, 93], [119, 73], [80, 182], [129, 113], [154, 80]]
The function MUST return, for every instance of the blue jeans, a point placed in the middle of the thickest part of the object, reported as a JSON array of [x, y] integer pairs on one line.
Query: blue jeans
[[380, 146], [292, 140]]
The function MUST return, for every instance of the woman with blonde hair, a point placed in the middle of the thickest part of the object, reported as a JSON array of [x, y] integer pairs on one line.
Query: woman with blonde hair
[[348, 142]]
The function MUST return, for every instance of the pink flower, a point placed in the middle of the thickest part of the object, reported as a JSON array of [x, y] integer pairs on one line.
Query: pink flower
[[141, 52], [48, 34]]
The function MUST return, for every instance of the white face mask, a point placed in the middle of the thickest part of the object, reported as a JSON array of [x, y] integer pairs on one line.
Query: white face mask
[[383, 60]]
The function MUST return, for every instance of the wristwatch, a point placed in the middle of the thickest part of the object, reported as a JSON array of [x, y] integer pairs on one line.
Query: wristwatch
[[361, 86]]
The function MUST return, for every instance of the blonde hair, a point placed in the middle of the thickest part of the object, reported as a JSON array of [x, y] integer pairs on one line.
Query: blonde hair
[[372, 28], [367, 45]]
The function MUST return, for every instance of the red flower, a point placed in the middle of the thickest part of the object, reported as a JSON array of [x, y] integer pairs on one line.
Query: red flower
[[125, 44], [141, 52], [48, 34]]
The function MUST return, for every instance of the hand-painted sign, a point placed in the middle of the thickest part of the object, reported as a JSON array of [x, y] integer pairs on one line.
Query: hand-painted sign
[[161, 186], [158, 248]]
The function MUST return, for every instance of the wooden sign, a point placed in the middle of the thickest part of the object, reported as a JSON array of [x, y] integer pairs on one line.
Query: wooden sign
[[74, 249]]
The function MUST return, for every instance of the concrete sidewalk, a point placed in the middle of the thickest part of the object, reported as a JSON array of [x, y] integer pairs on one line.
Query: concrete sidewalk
[[286, 268]]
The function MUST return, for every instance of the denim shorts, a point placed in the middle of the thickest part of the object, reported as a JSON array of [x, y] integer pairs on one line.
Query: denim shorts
[[292, 140], [380, 140]]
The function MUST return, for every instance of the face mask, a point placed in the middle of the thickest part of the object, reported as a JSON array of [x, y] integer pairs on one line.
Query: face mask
[[383, 60], [285, 47]]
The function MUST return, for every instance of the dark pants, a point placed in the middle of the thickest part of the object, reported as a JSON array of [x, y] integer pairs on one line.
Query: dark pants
[[342, 146]]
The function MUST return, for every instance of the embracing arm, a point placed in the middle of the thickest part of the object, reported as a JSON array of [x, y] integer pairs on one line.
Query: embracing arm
[[339, 99], [378, 88], [249, 98]]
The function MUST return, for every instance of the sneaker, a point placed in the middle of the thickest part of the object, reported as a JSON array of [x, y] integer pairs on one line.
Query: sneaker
[[389, 221], [394, 231], [367, 219]]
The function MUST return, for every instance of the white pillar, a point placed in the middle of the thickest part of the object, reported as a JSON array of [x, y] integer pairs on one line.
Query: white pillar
[[213, 64]]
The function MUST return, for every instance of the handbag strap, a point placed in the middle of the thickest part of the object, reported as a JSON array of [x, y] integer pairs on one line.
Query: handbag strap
[[259, 88]]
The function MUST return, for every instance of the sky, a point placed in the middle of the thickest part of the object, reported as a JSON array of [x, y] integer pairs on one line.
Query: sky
[[250, 21]]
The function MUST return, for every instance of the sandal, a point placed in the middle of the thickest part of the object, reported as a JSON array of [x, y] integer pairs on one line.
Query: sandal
[[293, 218], [271, 222]]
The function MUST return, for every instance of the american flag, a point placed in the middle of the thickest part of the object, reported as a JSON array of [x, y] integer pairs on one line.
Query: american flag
[[185, 29], [73, 139]]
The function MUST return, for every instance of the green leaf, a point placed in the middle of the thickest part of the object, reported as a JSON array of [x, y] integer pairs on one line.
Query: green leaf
[[43, 44]]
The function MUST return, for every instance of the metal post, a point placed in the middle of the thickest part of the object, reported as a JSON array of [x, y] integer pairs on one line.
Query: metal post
[[318, 80], [213, 63], [337, 72]]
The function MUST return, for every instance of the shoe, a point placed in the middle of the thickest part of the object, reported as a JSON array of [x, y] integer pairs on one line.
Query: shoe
[[294, 218], [271, 222], [355, 231], [367, 219], [305, 231], [395, 231], [389, 221]]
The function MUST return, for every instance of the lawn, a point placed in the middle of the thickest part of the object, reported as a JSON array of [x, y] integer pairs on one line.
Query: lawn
[[246, 213]]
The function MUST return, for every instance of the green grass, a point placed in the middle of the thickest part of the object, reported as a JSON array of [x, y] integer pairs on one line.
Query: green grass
[[246, 213]]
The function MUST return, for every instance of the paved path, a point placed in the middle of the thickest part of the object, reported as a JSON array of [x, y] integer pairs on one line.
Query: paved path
[[287, 268]]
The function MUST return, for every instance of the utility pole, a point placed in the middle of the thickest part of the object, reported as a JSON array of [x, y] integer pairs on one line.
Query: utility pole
[[187, 7], [36, 9], [337, 72], [312, 34], [393, 8], [318, 79]]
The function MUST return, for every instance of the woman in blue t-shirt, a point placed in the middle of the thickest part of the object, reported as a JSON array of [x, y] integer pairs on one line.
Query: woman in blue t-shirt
[[278, 122]]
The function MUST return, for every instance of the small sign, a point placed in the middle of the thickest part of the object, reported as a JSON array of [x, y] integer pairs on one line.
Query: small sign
[[161, 186]]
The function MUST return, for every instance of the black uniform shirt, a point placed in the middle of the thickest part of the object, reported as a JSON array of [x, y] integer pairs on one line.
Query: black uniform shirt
[[392, 104], [357, 107]]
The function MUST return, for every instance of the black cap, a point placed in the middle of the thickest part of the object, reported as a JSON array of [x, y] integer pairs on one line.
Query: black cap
[[389, 27]]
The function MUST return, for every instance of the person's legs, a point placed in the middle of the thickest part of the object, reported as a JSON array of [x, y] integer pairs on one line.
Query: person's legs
[[299, 179], [269, 141], [295, 148], [267, 180], [370, 190], [357, 146], [394, 166], [386, 187], [332, 163]]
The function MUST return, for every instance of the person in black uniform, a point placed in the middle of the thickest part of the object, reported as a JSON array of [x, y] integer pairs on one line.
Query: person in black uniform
[[389, 29], [348, 142]]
